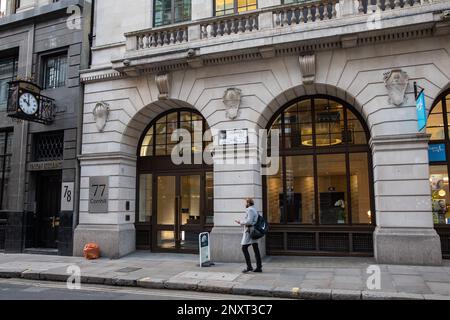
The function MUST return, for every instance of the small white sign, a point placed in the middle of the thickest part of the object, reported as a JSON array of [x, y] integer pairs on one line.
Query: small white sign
[[67, 196], [205, 250], [233, 137]]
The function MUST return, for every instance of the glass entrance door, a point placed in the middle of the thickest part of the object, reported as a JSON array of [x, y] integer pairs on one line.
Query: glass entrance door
[[178, 206]]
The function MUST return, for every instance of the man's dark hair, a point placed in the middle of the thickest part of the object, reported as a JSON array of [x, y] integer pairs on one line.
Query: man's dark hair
[[250, 201]]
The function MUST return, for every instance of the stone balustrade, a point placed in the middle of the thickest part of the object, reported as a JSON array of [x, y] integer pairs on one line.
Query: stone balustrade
[[161, 37], [228, 25], [251, 22]]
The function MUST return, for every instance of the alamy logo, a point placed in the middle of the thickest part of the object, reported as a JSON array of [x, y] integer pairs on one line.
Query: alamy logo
[[374, 279], [74, 280], [74, 21]]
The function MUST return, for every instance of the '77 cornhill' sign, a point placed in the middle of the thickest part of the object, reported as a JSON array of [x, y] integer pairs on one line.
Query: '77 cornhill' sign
[[98, 194]]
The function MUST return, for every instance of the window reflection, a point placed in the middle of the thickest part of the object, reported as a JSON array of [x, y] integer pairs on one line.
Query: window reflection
[[326, 174], [158, 139], [145, 197], [171, 11], [225, 7], [440, 200], [435, 125]]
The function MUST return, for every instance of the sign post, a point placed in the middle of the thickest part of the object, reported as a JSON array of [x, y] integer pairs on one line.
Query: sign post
[[205, 250], [420, 107]]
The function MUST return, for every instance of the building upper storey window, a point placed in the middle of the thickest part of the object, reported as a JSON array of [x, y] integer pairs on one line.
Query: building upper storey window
[[224, 7], [171, 11], [55, 71], [8, 72]]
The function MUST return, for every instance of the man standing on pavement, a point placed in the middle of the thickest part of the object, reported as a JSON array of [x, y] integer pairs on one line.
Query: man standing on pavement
[[248, 223]]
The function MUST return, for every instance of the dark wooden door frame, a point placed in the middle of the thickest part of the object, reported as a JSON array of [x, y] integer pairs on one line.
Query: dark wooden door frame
[[42, 224]]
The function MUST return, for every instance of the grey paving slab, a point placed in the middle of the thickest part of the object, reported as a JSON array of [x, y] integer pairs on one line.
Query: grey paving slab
[[403, 270], [439, 288], [436, 276], [347, 286], [316, 284], [348, 272], [408, 280], [319, 275]]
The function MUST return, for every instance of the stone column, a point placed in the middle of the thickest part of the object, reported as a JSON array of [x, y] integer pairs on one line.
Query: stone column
[[405, 231], [236, 177], [113, 230]]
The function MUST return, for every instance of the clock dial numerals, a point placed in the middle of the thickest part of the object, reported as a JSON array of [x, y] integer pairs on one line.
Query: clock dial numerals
[[28, 103]]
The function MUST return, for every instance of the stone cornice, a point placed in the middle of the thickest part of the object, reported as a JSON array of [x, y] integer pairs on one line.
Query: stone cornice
[[107, 157], [399, 141]]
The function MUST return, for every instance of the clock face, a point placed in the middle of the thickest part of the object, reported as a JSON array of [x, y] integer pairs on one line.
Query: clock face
[[28, 103]]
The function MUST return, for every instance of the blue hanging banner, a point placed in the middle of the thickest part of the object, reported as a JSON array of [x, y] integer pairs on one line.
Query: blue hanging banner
[[421, 111]]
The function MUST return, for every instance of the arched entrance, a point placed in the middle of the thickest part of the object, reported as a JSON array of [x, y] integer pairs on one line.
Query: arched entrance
[[174, 202], [438, 127], [321, 201]]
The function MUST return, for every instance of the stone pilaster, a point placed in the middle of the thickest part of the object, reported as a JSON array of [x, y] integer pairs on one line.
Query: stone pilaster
[[113, 231], [236, 177], [405, 232]]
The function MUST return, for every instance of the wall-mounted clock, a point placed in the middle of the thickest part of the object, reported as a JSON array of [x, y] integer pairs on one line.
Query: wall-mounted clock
[[28, 103]]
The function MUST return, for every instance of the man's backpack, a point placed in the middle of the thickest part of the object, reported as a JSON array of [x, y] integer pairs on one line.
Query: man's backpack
[[260, 229]]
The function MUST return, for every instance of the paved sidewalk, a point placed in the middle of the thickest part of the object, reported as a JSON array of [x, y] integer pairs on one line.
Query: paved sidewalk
[[285, 277]]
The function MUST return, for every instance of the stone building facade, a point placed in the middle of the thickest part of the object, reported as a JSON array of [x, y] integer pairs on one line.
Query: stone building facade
[[43, 42], [336, 77]]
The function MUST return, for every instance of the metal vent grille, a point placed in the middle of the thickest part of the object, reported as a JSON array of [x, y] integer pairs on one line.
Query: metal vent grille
[[3, 224], [49, 146], [301, 241], [445, 243], [275, 241], [362, 242], [142, 238], [335, 242]]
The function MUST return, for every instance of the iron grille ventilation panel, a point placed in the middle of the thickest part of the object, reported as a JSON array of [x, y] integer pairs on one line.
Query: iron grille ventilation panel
[[363, 242], [49, 146], [335, 242], [445, 243], [305, 241], [275, 241]]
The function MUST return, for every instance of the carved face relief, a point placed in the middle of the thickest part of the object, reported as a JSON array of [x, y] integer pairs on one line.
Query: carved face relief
[[396, 82], [101, 114], [232, 101]]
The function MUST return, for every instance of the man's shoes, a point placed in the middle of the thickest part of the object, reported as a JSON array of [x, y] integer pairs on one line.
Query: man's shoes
[[259, 270], [247, 270]]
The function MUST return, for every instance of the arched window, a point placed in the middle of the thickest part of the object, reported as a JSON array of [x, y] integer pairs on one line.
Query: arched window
[[438, 128], [324, 178], [175, 202], [158, 139]]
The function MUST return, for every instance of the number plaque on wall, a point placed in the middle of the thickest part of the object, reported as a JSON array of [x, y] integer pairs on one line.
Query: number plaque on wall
[[98, 194]]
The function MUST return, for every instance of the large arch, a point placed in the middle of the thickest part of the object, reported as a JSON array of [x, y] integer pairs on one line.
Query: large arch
[[138, 123], [174, 201], [296, 92], [324, 154], [438, 128]]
